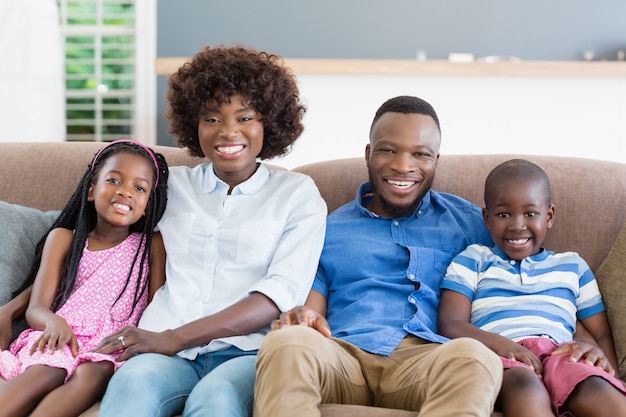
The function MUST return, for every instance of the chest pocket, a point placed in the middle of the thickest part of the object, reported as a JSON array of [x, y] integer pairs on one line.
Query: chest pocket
[[257, 241]]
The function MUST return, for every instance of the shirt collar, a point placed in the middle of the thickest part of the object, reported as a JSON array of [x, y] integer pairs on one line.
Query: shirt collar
[[538, 257], [365, 194], [249, 186]]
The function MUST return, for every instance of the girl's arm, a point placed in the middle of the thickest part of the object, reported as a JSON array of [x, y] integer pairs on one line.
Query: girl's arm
[[599, 328], [10, 311], [454, 321], [157, 265], [56, 331]]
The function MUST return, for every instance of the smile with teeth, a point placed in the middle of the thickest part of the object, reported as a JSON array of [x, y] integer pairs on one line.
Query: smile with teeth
[[401, 184], [229, 149], [121, 206], [518, 241]]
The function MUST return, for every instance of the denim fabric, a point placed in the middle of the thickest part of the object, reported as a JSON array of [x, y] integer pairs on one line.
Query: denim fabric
[[152, 385], [391, 283]]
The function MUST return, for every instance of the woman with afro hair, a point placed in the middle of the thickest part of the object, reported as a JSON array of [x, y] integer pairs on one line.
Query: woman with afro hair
[[242, 241]]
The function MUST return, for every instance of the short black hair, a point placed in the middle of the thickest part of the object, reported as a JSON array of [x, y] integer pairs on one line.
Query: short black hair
[[406, 105], [518, 169]]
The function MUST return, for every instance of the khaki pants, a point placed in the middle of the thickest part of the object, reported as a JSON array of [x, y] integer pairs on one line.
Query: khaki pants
[[298, 368]]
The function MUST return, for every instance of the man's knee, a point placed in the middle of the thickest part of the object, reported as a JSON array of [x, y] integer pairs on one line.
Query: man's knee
[[474, 354]]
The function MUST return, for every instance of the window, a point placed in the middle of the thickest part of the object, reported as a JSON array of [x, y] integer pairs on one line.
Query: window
[[109, 76]]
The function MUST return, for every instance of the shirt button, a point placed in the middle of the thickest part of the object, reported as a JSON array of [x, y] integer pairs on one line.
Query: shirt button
[[412, 276], [396, 223], [512, 262]]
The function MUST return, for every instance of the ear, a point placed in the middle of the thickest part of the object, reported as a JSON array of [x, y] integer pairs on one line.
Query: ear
[[486, 217], [367, 155], [90, 196], [550, 216]]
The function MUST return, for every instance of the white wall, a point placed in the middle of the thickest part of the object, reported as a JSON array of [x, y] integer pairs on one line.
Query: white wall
[[582, 117]]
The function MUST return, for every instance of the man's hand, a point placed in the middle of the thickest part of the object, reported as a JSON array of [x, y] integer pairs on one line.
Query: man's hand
[[133, 341], [590, 353], [305, 316]]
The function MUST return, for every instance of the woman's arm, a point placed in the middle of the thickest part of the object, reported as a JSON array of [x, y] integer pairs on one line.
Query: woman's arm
[[157, 265], [15, 308]]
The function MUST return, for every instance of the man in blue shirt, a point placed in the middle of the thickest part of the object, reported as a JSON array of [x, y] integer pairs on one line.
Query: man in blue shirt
[[376, 293]]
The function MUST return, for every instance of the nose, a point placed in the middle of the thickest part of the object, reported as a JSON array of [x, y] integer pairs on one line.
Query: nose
[[517, 223], [229, 130], [403, 163], [125, 190]]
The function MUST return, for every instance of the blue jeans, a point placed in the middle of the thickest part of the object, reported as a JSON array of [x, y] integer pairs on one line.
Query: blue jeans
[[154, 385]]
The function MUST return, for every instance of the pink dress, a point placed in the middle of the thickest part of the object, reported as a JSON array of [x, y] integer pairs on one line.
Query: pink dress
[[101, 277]]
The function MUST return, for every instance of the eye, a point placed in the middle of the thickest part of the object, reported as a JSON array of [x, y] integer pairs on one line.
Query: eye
[[140, 188], [503, 215], [112, 181], [385, 150], [246, 118], [208, 119], [531, 214]]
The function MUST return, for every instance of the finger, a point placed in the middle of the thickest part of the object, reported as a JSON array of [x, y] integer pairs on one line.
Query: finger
[[321, 325], [74, 346], [276, 324]]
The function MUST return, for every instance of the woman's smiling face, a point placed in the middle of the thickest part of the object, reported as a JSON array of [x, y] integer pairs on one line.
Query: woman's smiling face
[[231, 136]]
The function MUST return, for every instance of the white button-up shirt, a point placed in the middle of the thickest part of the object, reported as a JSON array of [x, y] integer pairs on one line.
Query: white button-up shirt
[[266, 237]]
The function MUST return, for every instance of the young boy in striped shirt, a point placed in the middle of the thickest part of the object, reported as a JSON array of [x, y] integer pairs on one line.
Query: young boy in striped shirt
[[523, 301]]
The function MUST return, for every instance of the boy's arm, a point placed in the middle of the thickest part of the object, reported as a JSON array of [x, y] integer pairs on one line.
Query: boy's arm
[[454, 321], [9, 312], [599, 328]]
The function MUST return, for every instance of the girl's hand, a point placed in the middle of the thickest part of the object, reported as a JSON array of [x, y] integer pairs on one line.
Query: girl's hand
[[518, 352], [133, 341], [56, 335]]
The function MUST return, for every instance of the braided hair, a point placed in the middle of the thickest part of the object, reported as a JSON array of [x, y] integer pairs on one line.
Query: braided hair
[[79, 215]]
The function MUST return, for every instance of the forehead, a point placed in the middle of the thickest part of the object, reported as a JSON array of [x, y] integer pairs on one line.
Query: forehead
[[419, 129], [129, 163], [517, 190]]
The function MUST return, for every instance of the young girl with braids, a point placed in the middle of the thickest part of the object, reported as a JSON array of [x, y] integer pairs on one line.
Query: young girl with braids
[[95, 271]]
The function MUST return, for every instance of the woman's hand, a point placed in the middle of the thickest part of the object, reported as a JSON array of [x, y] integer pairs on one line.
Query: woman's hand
[[305, 316], [6, 330], [57, 333], [133, 341]]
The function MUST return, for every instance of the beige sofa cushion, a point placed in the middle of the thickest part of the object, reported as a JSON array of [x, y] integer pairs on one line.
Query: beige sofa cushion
[[611, 278]]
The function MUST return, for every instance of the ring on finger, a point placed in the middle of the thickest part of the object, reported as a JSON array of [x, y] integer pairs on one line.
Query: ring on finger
[[121, 339]]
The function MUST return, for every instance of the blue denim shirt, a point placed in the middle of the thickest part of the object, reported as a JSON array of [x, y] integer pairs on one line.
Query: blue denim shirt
[[381, 276]]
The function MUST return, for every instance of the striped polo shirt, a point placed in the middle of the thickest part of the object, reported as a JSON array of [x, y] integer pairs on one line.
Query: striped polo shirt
[[541, 295]]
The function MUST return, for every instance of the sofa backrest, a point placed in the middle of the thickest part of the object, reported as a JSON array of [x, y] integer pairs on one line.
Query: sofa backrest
[[590, 195]]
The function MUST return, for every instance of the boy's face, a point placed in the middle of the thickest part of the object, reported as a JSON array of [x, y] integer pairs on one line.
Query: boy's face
[[518, 217]]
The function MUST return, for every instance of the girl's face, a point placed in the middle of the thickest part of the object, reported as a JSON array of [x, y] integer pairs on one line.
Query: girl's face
[[231, 136], [122, 189]]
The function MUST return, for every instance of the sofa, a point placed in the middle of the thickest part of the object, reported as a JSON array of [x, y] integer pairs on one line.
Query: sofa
[[590, 199]]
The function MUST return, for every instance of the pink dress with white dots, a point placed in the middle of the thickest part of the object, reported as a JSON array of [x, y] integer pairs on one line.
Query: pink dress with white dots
[[88, 311]]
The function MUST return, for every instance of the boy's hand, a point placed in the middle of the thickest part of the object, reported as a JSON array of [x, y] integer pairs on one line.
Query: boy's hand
[[56, 335], [304, 316], [587, 352], [518, 352]]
